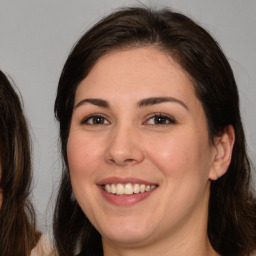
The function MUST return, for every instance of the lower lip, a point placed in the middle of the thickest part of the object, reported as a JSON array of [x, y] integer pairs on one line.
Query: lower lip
[[126, 200]]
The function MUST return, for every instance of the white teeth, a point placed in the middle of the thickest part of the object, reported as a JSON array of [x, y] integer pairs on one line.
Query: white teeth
[[113, 189], [142, 188], [127, 189], [147, 188], [119, 189], [108, 188], [136, 188]]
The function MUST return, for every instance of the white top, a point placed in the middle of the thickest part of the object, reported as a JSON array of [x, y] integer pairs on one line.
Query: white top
[[43, 248]]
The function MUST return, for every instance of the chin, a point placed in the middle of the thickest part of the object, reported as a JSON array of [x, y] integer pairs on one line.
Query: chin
[[128, 238], [127, 234]]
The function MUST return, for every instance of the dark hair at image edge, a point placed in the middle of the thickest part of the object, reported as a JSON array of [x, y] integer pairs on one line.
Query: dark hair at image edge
[[18, 234], [232, 211]]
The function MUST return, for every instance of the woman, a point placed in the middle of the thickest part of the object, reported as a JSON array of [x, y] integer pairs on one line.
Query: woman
[[18, 234], [152, 141]]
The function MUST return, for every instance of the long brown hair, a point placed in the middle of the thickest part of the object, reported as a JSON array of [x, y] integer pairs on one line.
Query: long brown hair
[[232, 211], [18, 234]]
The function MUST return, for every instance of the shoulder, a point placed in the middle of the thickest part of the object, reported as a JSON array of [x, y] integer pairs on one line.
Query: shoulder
[[43, 248]]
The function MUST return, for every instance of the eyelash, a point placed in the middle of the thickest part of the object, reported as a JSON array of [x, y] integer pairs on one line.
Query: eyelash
[[100, 117], [94, 116], [170, 120]]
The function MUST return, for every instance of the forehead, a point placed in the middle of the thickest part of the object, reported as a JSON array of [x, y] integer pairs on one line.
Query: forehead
[[127, 71]]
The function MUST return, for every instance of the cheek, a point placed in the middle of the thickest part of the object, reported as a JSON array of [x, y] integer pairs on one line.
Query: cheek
[[185, 172], [82, 154], [180, 156], [83, 158], [80, 162]]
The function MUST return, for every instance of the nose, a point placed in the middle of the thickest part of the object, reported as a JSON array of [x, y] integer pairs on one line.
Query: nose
[[124, 147]]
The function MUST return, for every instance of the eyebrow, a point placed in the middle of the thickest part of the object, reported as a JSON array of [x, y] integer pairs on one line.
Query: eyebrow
[[142, 103], [97, 102], [158, 100]]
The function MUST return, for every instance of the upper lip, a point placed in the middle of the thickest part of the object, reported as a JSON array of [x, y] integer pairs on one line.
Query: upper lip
[[116, 180]]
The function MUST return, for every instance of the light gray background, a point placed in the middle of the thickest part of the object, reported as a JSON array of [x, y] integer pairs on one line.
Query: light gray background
[[36, 37]]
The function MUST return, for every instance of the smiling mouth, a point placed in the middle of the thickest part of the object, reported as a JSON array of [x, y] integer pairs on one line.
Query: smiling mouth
[[127, 189]]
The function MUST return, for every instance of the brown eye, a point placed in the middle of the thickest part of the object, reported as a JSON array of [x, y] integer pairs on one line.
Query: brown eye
[[160, 119], [95, 120]]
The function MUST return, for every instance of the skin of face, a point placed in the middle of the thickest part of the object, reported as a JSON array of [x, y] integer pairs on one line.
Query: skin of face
[[130, 142]]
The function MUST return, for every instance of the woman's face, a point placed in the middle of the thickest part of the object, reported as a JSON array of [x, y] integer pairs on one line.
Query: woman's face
[[138, 149]]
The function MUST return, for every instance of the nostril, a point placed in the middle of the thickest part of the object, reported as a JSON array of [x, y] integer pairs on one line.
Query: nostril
[[120, 161], [112, 161], [129, 160]]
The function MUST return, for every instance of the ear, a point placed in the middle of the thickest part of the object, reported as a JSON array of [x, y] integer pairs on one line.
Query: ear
[[222, 153]]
